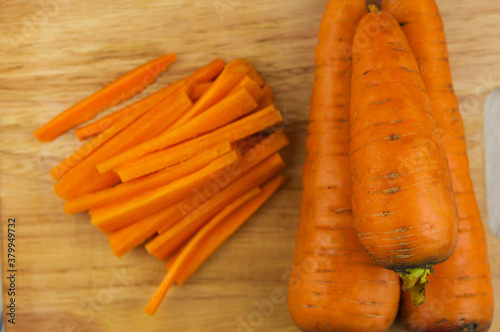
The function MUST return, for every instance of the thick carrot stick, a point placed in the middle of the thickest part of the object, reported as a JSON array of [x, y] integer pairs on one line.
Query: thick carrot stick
[[112, 94], [119, 214], [206, 73], [127, 238], [169, 279], [199, 89], [249, 85], [462, 284], [131, 188], [334, 285], [165, 244], [232, 132], [230, 76], [101, 125], [404, 209], [84, 178], [227, 110], [205, 243], [135, 111]]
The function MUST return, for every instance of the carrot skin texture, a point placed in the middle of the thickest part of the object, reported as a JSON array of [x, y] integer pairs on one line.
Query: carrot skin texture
[[333, 279], [463, 282], [112, 94], [403, 205]]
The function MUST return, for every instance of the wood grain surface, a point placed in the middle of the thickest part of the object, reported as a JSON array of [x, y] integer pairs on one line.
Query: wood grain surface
[[55, 52]]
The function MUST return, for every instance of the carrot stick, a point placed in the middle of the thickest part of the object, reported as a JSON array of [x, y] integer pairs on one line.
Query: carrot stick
[[232, 132], [267, 98], [463, 282], [168, 242], [209, 239], [112, 94], [406, 192], [168, 281], [334, 284], [230, 76], [225, 111], [127, 238], [101, 125], [206, 73], [119, 214], [84, 177], [135, 111], [250, 85], [131, 188], [199, 89]]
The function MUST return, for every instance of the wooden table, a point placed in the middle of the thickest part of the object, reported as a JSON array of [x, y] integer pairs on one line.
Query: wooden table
[[55, 52]]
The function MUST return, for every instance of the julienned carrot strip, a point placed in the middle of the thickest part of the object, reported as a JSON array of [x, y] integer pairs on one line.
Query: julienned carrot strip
[[203, 245], [230, 76], [227, 110], [167, 243], [128, 237], [254, 75], [135, 110], [267, 98], [119, 214], [199, 89], [101, 125], [112, 94], [206, 73], [232, 132], [250, 85], [169, 279], [84, 178], [405, 155], [132, 188], [463, 282]]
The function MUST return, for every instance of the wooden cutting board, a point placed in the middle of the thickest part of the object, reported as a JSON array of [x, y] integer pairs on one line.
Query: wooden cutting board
[[55, 52]]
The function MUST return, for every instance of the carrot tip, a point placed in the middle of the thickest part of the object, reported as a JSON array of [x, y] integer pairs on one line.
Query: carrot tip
[[373, 8], [415, 280]]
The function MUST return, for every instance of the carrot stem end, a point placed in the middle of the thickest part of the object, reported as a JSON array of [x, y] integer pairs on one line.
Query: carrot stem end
[[415, 280]]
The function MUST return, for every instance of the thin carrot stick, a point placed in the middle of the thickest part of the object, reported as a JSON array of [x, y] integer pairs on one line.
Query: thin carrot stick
[[134, 111], [207, 241], [168, 281], [206, 73], [232, 132], [127, 238], [112, 94], [227, 110], [119, 214], [167, 243], [230, 76], [199, 89], [84, 177], [143, 184], [267, 98], [101, 125], [250, 85]]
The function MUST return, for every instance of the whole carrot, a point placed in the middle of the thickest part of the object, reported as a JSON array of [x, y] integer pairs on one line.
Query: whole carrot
[[404, 209], [334, 285], [459, 294]]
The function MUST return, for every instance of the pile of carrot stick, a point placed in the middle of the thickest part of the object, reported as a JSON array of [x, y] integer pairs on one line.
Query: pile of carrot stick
[[179, 170]]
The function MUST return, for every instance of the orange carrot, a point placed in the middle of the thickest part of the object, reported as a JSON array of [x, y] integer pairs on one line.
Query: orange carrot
[[334, 284], [112, 94], [404, 209], [132, 188], [225, 111], [101, 125], [250, 85], [267, 98], [127, 238], [169, 279], [230, 76], [168, 242], [199, 89], [232, 132], [206, 242], [84, 178], [206, 73], [136, 110], [459, 296], [119, 214]]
